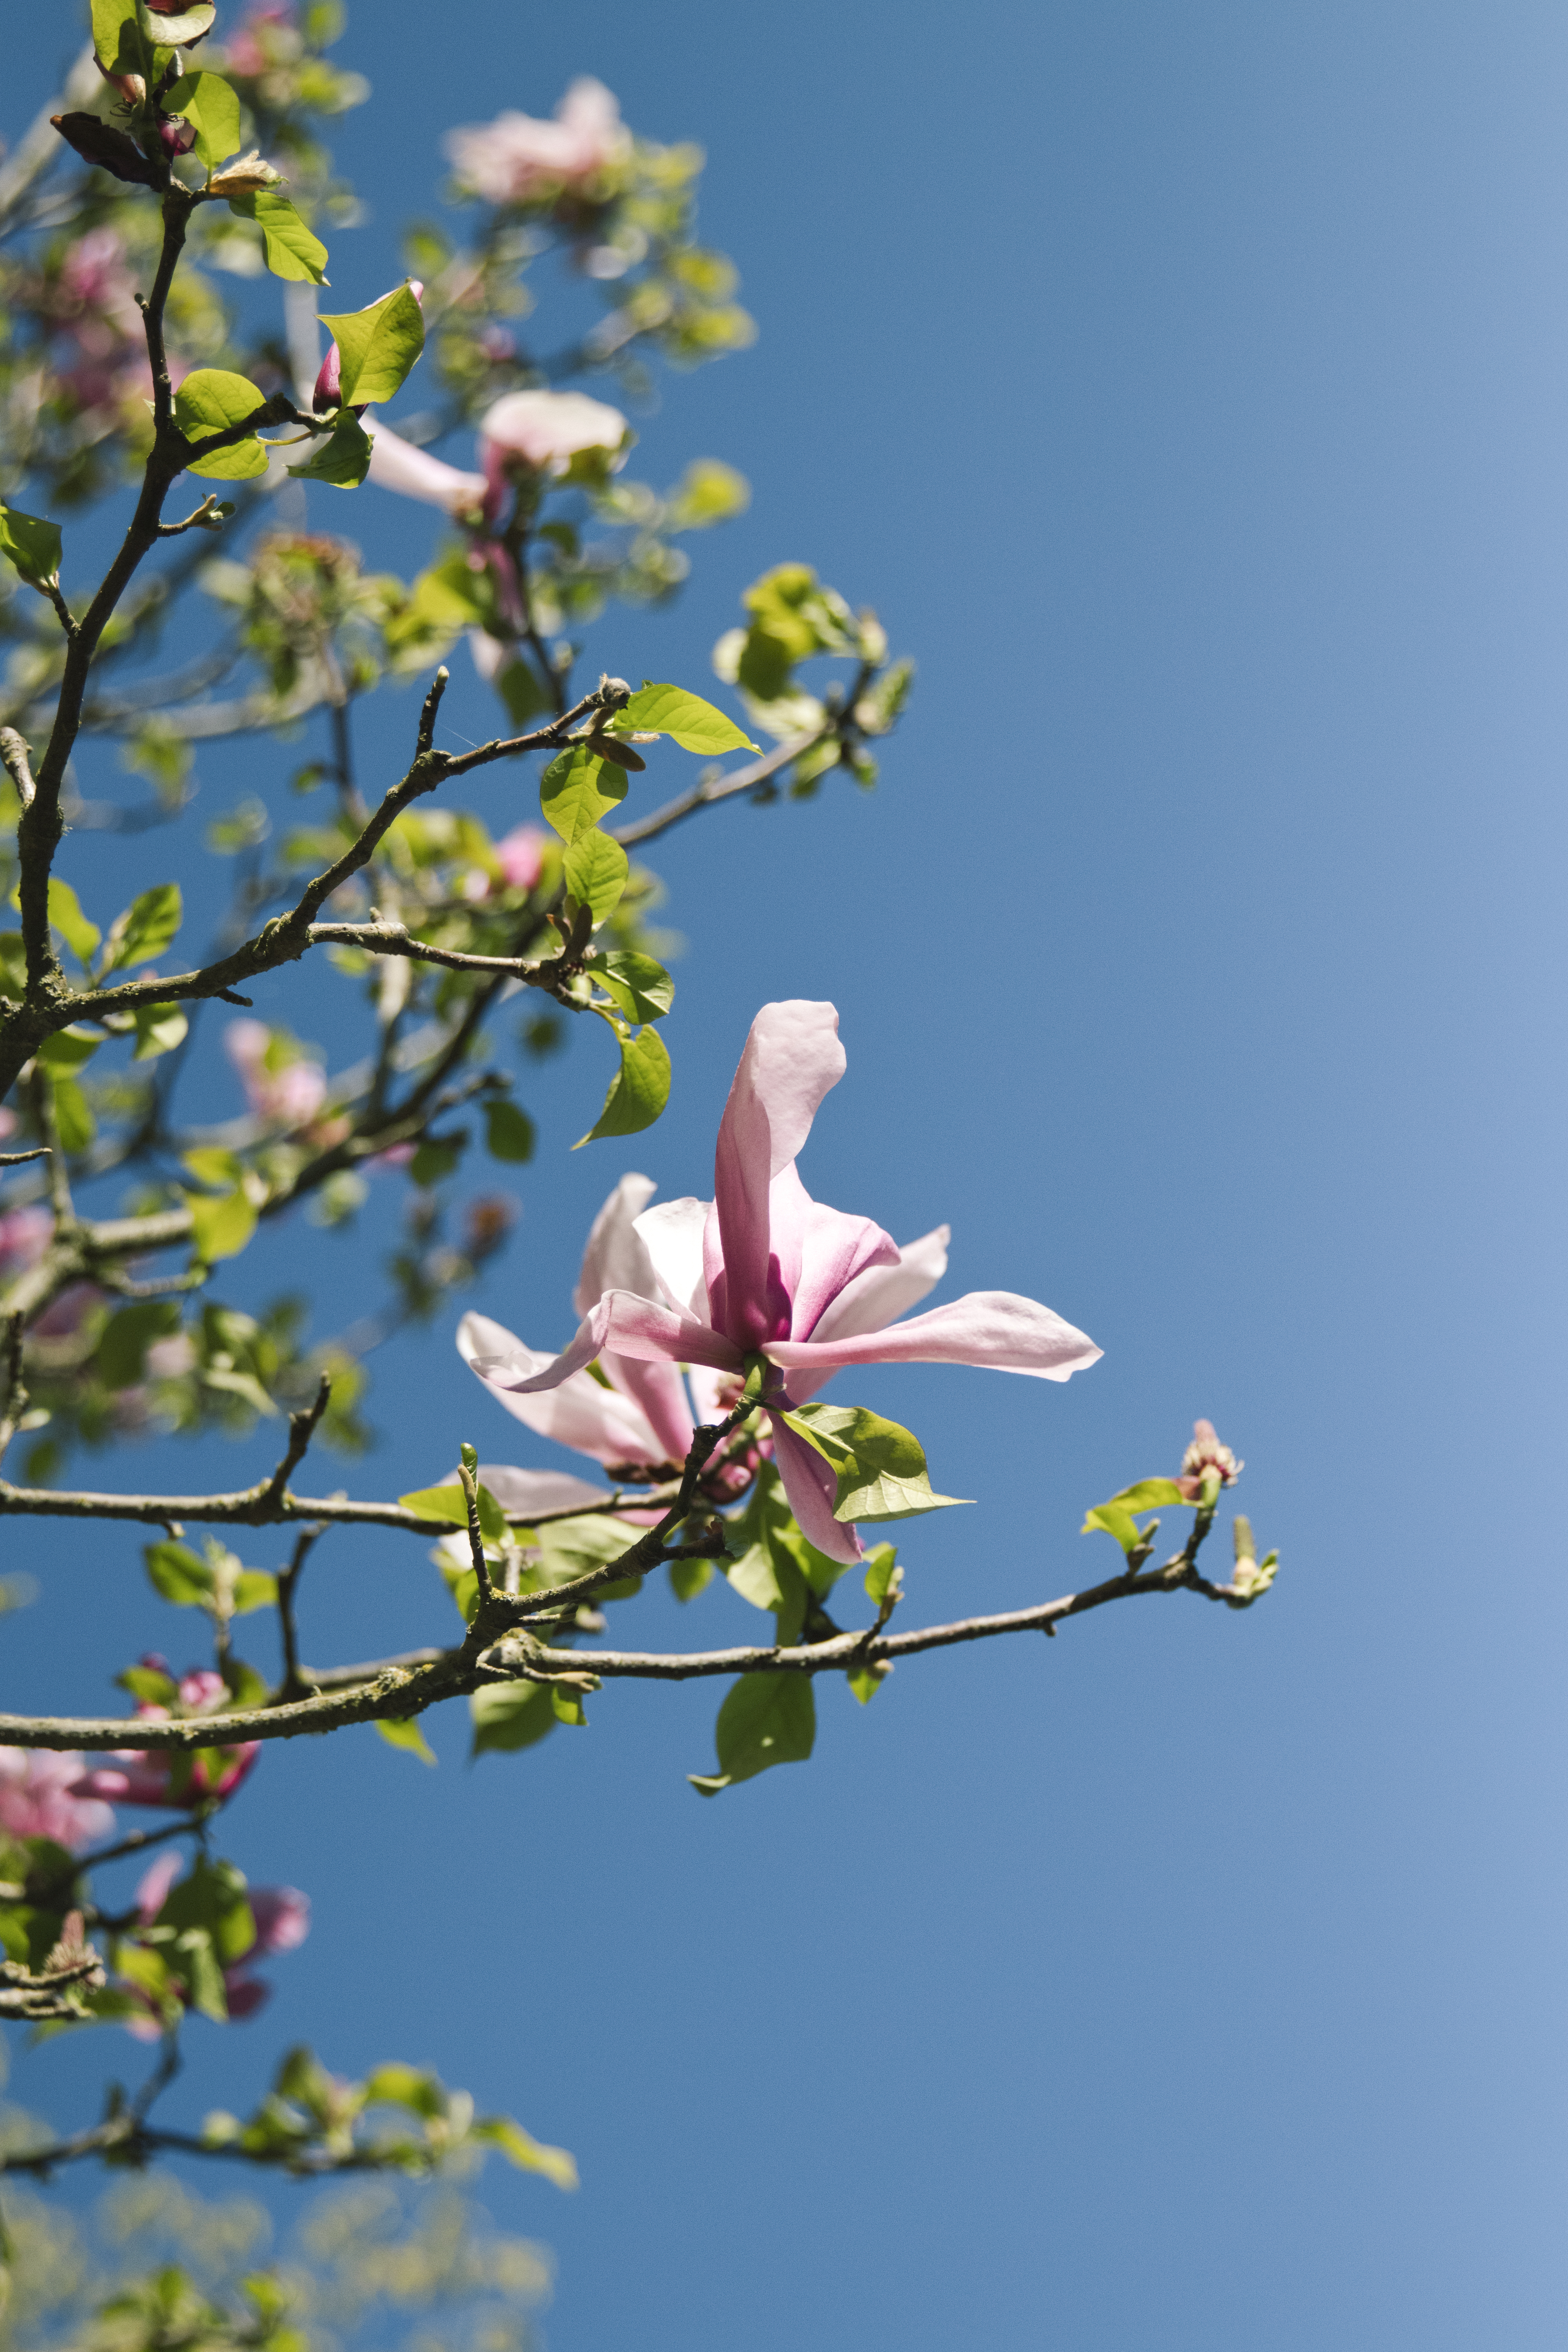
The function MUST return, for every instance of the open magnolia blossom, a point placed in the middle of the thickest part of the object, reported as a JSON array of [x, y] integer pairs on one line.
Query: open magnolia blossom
[[546, 430], [518, 157], [764, 1271]]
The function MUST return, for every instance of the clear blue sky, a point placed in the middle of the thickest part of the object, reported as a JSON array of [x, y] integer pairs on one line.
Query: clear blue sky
[[1185, 385]]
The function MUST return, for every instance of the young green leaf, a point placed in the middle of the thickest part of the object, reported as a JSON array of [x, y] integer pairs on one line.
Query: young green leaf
[[67, 1049], [221, 1225], [595, 872], [638, 1091], [210, 401], [880, 1468], [642, 987], [32, 545], [569, 1708], [1114, 1519], [450, 1504], [74, 1121], [81, 935], [766, 1720], [343, 459], [127, 1336], [377, 346], [292, 251], [686, 719], [881, 1566], [579, 788], [177, 31], [527, 2153], [509, 1132], [178, 1574], [158, 1029], [145, 930], [403, 1731], [117, 36], [212, 106], [510, 1716], [1149, 1495]]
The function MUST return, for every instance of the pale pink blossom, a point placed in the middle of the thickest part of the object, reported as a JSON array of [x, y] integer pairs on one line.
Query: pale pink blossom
[[152, 1887], [282, 1916], [63, 1318], [8, 1123], [517, 158], [765, 1270], [156, 1776], [168, 1359], [24, 1235], [39, 1797], [289, 1096], [396, 465], [245, 54], [520, 855], [546, 430]]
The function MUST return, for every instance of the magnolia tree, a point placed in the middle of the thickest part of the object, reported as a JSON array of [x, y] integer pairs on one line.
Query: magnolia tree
[[695, 1391]]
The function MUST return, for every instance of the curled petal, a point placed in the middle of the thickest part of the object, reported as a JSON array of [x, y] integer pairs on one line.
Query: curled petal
[[621, 1325], [598, 1422], [811, 1489], [617, 1257], [995, 1329], [874, 1297]]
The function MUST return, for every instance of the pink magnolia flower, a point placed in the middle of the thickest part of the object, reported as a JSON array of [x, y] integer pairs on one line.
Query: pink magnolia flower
[[290, 1096], [282, 1916], [155, 1776], [24, 1235], [546, 430], [396, 465], [520, 855], [764, 1269], [517, 157], [64, 1317], [39, 1797]]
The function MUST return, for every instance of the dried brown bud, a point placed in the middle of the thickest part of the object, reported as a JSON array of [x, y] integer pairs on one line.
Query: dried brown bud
[[244, 177]]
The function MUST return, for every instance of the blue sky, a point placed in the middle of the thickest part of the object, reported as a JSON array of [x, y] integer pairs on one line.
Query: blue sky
[[1186, 388]]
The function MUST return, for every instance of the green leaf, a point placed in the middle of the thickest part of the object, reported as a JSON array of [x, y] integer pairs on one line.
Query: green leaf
[[180, 1574], [67, 1049], [569, 1708], [81, 935], [221, 1225], [642, 987], [1114, 1519], [209, 401], [128, 1335], [686, 719], [145, 928], [1149, 1495], [527, 2153], [32, 545], [595, 872], [343, 459], [377, 346], [292, 251], [158, 1029], [117, 36], [572, 1548], [403, 1731], [74, 1121], [579, 788], [212, 1163], [208, 101], [638, 1091], [435, 1159], [213, 1899], [253, 1588], [510, 1716], [688, 1577], [449, 1504], [881, 1468], [509, 1132], [866, 1681], [766, 1720], [175, 32], [881, 1562]]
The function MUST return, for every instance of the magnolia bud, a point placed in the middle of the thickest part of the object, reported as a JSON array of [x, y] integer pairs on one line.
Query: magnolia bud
[[326, 394], [176, 137], [131, 86]]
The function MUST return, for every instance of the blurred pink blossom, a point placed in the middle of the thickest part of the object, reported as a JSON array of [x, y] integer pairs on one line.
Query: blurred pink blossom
[[149, 1775], [546, 430], [63, 1318], [152, 1888], [245, 54], [24, 1235], [39, 1798], [289, 1097], [396, 465], [520, 855], [7, 1124], [518, 157], [282, 1916]]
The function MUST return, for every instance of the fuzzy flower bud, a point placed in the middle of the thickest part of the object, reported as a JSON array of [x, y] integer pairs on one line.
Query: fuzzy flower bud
[[1206, 1458]]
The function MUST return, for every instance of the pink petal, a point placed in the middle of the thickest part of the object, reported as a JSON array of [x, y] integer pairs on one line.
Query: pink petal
[[872, 1300], [154, 1886], [995, 1329], [820, 1250], [811, 1489], [672, 1232], [523, 1492], [624, 1325], [792, 1057], [616, 1256], [658, 1389], [396, 465], [601, 1422]]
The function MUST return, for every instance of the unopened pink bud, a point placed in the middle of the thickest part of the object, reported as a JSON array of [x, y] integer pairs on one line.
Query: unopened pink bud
[[326, 394], [175, 137]]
